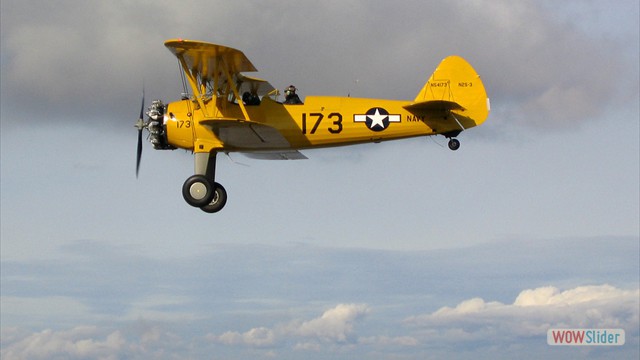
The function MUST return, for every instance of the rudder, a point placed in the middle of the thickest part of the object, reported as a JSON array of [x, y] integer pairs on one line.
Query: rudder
[[455, 84]]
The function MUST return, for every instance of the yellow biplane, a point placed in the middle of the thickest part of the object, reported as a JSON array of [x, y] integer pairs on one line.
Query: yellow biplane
[[228, 111]]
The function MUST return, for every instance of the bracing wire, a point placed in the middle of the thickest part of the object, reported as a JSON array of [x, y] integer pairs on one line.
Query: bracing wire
[[183, 78]]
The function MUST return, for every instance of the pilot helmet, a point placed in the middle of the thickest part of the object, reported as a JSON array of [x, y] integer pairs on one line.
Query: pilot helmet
[[290, 90]]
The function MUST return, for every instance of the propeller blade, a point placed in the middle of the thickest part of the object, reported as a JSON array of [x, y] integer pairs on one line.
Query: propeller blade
[[140, 125], [142, 106], [139, 154]]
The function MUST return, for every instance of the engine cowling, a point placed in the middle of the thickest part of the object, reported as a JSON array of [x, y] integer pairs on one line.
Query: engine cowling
[[156, 126], [178, 124]]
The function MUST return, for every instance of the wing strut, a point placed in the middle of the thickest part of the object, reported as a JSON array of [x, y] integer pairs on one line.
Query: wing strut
[[232, 84], [457, 121], [194, 84]]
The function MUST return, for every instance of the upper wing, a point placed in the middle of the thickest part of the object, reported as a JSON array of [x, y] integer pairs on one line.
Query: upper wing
[[208, 61], [216, 71]]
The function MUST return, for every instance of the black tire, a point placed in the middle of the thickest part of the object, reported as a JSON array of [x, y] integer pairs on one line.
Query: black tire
[[454, 144], [197, 191], [219, 200]]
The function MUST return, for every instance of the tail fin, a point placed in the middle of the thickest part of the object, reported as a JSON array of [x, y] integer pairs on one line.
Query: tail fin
[[454, 87]]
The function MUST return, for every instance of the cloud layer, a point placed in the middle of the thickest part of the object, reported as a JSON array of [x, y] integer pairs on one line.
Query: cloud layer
[[484, 327], [79, 68], [261, 301]]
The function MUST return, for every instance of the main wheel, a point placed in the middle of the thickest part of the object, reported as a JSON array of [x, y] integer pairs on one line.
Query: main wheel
[[218, 201], [454, 144], [197, 191]]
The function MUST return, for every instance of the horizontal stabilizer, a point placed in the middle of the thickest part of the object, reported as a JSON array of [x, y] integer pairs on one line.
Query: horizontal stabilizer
[[433, 105]]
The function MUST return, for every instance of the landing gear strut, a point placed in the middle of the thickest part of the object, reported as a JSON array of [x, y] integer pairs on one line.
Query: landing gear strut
[[201, 190]]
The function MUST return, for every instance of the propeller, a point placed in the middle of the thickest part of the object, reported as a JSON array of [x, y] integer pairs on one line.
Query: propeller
[[140, 125]]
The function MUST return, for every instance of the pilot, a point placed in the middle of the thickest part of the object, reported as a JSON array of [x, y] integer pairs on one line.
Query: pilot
[[291, 98], [250, 99]]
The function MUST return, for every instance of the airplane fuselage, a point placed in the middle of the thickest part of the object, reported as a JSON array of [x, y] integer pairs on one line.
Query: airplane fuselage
[[321, 121]]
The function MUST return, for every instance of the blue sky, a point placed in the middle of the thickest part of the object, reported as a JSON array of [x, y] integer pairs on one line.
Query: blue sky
[[395, 250]]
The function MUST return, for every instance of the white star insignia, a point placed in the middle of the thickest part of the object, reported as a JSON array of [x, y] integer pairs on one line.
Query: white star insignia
[[377, 119]]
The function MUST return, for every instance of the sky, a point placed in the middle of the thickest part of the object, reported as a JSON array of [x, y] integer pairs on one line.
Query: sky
[[398, 250]]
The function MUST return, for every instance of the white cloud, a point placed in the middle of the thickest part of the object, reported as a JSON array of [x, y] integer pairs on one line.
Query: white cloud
[[77, 343], [533, 312], [260, 336], [140, 341], [335, 325], [550, 295]]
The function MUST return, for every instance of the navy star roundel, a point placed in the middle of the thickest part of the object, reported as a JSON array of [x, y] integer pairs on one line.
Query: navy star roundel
[[377, 119]]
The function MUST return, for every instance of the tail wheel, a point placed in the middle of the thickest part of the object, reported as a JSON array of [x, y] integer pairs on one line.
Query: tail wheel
[[198, 191], [218, 201], [454, 144]]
